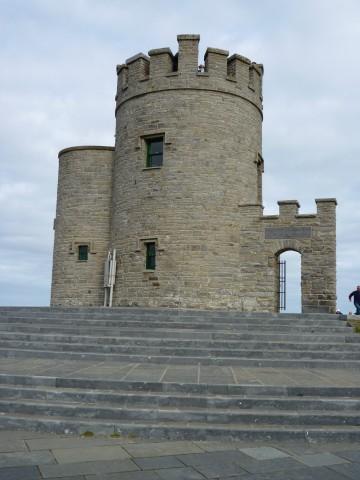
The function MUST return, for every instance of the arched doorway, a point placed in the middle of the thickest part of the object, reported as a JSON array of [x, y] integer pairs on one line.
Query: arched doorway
[[289, 281]]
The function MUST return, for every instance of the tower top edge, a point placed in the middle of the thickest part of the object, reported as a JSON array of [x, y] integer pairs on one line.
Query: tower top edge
[[188, 36], [136, 57], [217, 51], [85, 147], [326, 200], [162, 69], [160, 51], [237, 56]]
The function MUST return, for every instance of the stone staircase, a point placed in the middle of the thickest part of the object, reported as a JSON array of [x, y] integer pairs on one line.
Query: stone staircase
[[179, 409]]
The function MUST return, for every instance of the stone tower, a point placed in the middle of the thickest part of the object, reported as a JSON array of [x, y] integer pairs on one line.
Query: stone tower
[[184, 212]]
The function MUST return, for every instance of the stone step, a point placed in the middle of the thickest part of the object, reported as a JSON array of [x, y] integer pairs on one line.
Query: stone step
[[126, 398], [184, 334], [94, 312], [180, 360], [234, 327], [265, 353], [246, 390], [178, 343], [178, 337], [135, 312], [180, 415], [113, 320], [179, 430], [342, 329]]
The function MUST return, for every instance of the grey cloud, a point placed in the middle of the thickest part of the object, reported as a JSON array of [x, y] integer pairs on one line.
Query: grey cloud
[[58, 84]]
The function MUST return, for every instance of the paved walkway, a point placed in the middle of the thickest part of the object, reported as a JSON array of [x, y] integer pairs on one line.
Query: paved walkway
[[152, 372], [30, 456]]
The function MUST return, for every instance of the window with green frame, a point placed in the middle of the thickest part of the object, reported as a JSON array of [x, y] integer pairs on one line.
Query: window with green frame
[[154, 151], [83, 252], [150, 256]]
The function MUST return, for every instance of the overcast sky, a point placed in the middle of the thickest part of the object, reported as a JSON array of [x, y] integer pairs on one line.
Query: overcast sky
[[57, 88]]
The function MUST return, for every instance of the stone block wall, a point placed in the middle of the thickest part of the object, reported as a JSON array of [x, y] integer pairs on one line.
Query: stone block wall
[[82, 218], [211, 124], [265, 237]]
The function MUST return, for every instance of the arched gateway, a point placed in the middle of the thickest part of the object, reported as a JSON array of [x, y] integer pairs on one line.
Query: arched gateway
[[179, 197]]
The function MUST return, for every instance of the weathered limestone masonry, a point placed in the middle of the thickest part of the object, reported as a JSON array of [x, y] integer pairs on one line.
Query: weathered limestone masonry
[[264, 238], [201, 208], [82, 218]]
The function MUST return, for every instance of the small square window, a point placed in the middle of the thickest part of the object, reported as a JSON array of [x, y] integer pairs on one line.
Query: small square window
[[154, 152], [150, 256], [83, 253]]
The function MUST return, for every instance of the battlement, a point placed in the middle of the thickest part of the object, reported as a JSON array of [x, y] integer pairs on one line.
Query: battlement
[[162, 70], [289, 209]]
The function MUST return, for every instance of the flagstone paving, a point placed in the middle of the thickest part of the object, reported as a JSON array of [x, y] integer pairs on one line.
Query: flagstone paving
[[183, 373], [34, 456]]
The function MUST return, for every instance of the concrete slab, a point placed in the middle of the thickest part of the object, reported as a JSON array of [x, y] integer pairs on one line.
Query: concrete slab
[[78, 477], [339, 377], [161, 449], [216, 464], [294, 448], [69, 442], [18, 459], [289, 376], [351, 455], [243, 476], [216, 374], [269, 466], [89, 454], [264, 453], [68, 368], [244, 376], [216, 446], [304, 473], [188, 374], [149, 373], [10, 435], [103, 370], [155, 463], [17, 473], [87, 468], [179, 474], [271, 376], [8, 362], [320, 459], [215, 469], [206, 458], [348, 470], [12, 445], [126, 476]]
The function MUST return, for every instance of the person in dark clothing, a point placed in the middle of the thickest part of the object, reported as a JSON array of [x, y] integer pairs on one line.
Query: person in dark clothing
[[356, 295]]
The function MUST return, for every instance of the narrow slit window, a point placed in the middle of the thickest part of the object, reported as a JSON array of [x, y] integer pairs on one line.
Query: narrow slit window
[[150, 256], [154, 152], [83, 253]]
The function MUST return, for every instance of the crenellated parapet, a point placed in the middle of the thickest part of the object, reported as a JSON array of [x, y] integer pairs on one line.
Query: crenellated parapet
[[263, 238], [289, 212], [314, 237], [162, 70]]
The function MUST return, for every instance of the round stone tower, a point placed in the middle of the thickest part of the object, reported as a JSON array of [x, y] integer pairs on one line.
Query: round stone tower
[[177, 204], [187, 154], [82, 225]]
